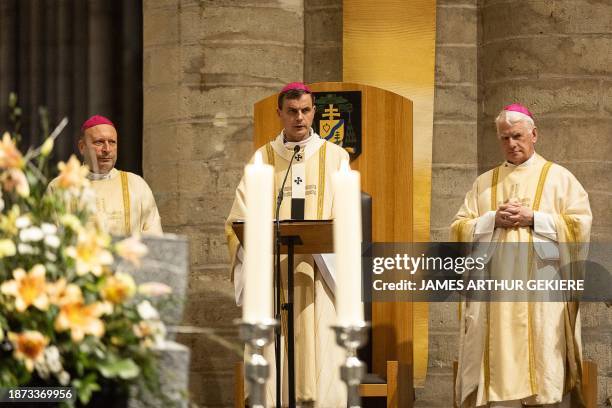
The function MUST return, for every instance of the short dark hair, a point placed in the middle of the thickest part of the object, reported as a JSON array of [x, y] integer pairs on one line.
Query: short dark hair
[[293, 94]]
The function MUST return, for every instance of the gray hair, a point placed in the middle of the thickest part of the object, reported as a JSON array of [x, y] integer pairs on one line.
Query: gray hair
[[512, 117]]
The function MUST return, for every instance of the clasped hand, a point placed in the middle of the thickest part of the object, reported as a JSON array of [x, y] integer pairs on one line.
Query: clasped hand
[[513, 214]]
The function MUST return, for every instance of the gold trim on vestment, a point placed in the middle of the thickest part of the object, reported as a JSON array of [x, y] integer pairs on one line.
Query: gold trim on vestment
[[321, 187], [572, 238], [459, 229], [126, 202], [532, 377], [571, 230], [538, 196], [536, 207], [573, 364], [494, 189], [487, 368], [270, 153]]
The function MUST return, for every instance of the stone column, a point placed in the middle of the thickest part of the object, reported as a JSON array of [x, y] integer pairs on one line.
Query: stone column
[[205, 64], [454, 168], [322, 40], [555, 56]]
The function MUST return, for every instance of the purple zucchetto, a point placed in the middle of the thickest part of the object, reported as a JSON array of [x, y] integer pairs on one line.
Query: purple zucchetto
[[517, 107], [295, 85], [95, 120]]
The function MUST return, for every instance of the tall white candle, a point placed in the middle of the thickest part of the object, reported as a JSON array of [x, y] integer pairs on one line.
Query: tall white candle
[[347, 245], [259, 183]]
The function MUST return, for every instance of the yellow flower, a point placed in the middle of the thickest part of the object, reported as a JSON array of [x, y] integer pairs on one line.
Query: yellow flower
[[10, 156], [46, 147], [8, 222], [15, 179], [29, 346], [90, 252], [132, 249], [118, 288], [7, 248], [81, 320], [71, 221], [28, 288], [72, 174]]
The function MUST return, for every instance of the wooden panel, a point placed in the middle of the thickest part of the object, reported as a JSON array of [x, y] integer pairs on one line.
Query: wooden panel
[[373, 390], [392, 373], [386, 174], [589, 383], [239, 385], [391, 44]]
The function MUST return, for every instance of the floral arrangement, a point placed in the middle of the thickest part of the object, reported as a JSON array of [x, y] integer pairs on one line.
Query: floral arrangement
[[68, 315]]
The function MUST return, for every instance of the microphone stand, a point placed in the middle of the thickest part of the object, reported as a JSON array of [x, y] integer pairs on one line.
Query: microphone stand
[[278, 288]]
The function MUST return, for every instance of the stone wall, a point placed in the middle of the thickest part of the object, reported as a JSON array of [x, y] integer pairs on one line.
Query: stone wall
[[454, 168], [205, 64], [322, 40]]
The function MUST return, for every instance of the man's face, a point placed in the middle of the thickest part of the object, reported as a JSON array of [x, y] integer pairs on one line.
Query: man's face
[[517, 141], [98, 146], [296, 116]]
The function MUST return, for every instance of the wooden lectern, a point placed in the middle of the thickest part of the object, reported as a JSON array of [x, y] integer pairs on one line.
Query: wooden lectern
[[316, 236]]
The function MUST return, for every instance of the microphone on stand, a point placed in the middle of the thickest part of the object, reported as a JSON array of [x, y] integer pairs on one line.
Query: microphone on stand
[[277, 267]]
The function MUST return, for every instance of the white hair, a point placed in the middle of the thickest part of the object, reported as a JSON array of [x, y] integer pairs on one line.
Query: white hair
[[512, 117]]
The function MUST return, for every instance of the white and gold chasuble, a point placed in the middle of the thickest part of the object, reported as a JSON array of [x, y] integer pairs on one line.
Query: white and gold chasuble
[[529, 351], [124, 203], [317, 357]]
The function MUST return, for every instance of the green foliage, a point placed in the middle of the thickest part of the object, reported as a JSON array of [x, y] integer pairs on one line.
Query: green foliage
[[113, 368]]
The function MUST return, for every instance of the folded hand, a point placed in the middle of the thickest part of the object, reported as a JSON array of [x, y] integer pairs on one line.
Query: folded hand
[[513, 214]]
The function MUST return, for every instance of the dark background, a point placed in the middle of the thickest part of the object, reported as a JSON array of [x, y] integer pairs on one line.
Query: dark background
[[77, 58]]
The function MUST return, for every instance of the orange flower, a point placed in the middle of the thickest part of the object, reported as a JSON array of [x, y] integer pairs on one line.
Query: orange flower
[[118, 288], [61, 293], [90, 252], [81, 320], [28, 288], [15, 179], [132, 249], [29, 346], [72, 174], [10, 157]]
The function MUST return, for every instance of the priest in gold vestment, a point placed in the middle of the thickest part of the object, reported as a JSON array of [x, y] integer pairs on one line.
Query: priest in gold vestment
[[307, 195], [124, 202], [515, 354]]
